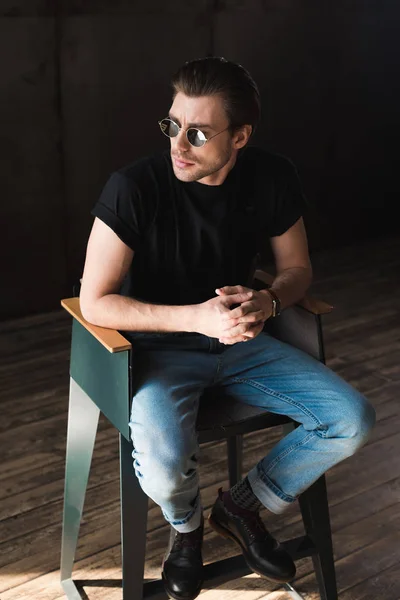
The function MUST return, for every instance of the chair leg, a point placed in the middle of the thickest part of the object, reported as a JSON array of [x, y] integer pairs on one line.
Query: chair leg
[[315, 511], [83, 417], [133, 525], [235, 458]]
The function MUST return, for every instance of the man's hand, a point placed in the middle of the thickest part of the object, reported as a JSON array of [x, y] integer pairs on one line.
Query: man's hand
[[211, 318], [247, 320]]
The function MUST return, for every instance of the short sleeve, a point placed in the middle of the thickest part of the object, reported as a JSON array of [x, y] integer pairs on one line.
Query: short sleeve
[[121, 207], [289, 203]]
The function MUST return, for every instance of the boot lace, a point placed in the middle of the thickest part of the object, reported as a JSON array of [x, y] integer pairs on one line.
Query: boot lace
[[193, 539], [256, 529]]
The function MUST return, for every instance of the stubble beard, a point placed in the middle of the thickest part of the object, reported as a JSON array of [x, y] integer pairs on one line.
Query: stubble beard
[[198, 171]]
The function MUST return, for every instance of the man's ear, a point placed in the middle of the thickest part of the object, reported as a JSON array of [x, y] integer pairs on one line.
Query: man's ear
[[242, 136]]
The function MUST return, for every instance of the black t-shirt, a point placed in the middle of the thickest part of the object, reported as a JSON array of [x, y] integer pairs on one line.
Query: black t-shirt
[[190, 238]]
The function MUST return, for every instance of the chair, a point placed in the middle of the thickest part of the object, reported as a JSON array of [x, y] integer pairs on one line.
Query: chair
[[100, 370]]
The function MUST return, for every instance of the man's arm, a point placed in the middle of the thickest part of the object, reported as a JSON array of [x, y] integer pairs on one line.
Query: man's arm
[[293, 266], [293, 278], [107, 262]]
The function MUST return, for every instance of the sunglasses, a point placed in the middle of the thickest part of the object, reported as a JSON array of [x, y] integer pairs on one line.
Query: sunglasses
[[195, 136]]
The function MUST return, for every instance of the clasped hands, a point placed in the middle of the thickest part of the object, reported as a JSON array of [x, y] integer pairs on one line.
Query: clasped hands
[[236, 314], [247, 320]]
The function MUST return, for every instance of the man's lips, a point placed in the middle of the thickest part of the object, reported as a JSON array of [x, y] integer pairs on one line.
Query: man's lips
[[182, 163]]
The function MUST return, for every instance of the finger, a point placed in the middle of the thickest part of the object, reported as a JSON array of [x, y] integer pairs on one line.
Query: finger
[[238, 298], [250, 318], [237, 330], [232, 333], [255, 329], [228, 341], [240, 311], [232, 289], [235, 340], [237, 334], [246, 308]]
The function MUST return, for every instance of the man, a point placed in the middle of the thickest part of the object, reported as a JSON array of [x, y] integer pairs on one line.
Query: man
[[169, 262]]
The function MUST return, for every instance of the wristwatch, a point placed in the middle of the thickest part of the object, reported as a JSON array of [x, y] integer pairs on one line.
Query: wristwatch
[[276, 303]]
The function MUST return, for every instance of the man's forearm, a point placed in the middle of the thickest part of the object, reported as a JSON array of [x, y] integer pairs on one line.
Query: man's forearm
[[127, 314], [291, 285]]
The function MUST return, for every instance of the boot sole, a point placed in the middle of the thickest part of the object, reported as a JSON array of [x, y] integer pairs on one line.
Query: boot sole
[[231, 536]]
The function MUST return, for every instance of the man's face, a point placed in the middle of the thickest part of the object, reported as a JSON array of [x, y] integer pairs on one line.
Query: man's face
[[205, 163]]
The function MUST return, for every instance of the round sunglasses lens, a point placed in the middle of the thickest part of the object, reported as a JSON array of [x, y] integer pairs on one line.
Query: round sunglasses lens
[[169, 128], [196, 137]]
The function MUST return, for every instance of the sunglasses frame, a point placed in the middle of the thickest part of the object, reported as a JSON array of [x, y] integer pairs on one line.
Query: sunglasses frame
[[207, 139]]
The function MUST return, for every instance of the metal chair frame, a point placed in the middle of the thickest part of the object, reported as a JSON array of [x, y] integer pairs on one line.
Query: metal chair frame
[[100, 369]]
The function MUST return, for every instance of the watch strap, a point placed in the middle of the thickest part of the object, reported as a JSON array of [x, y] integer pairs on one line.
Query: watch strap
[[276, 303]]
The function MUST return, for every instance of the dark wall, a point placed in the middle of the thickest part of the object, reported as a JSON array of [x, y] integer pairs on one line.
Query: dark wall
[[83, 84]]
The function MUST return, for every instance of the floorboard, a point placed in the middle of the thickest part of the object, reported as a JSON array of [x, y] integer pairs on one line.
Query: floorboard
[[362, 342]]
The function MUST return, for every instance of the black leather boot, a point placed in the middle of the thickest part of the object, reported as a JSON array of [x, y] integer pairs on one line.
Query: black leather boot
[[263, 554], [182, 572]]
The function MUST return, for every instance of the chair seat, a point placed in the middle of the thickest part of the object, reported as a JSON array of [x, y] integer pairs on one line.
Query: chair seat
[[221, 415]]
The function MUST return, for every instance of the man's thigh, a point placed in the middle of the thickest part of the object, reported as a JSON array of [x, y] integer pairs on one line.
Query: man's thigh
[[268, 373], [167, 386]]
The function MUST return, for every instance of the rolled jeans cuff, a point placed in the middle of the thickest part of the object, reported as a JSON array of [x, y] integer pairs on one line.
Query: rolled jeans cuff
[[190, 522], [268, 493]]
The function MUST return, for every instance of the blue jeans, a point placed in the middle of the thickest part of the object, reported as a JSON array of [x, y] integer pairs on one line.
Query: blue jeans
[[171, 371]]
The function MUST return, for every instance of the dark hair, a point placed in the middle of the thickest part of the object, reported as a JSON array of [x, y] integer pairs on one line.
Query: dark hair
[[212, 76]]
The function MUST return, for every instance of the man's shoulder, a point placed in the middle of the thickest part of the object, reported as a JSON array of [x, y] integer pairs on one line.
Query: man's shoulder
[[265, 161], [147, 170]]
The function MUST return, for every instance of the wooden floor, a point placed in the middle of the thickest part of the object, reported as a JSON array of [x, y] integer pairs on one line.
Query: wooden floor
[[362, 338]]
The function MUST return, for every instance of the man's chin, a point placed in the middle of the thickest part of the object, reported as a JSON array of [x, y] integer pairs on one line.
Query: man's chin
[[187, 174]]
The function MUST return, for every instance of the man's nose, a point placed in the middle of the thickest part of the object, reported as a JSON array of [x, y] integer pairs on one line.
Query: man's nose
[[181, 142]]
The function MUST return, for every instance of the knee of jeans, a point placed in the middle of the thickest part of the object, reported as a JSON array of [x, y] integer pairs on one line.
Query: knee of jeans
[[359, 426], [163, 485], [163, 478]]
